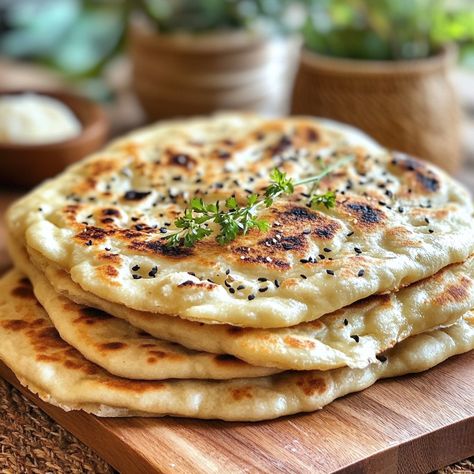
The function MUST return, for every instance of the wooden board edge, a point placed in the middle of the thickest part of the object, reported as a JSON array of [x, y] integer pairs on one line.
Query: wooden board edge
[[79, 424]]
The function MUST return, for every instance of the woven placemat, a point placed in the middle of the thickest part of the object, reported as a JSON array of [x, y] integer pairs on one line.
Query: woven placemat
[[31, 442]]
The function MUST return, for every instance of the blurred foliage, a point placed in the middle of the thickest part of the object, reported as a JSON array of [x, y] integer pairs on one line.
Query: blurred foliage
[[207, 15], [388, 29], [76, 37]]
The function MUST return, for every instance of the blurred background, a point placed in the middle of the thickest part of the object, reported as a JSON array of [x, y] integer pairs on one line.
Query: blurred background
[[401, 70]]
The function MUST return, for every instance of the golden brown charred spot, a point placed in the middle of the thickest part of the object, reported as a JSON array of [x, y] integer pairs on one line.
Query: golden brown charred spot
[[455, 293], [25, 282], [25, 292], [111, 212], [101, 166], [112, 346], [302, 219], [260, 255], [109, 257], [81, 365], [282, 145], [312, 385], [92, 316], [368, 215], [202, 285], [299, 343], [425, 178], [285, 243], [226, 359], [14, 324], [135, 386], [159, 247], [241, 393], [235, 330], [108, 271], [92, 234], [133, 195], [47, 358], [148, 345]]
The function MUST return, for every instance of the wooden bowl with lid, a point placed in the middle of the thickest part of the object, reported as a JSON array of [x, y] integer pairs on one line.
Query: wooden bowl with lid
[[25, 165]]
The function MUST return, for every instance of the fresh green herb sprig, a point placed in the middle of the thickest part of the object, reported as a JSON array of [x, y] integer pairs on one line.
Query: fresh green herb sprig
[[234, 219]]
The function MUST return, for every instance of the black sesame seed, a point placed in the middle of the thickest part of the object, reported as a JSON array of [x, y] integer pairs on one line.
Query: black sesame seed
[[226, 283], [326, 249], [400, 210], [350, 233], [152, 272], [251, 297], [322, 257], [356, 338], [303, 276], [241, 287], [346, 322], [381, 358], [262, 290], [89, 243], [329, 272], [361, 273], [262, 279], [227, 272], [304, 260], [427, 220], [357, 250], [136, 277], [430, 231], [277, 283], [107, 249], [136, 268], [192, 273], [231, 290], [163, 230]]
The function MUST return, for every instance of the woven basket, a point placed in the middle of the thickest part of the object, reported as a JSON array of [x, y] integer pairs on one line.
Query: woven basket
[[185, 74], [405, 105]]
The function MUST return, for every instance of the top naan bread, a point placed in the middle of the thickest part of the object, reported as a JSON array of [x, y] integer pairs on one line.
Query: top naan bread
[[397, 220]]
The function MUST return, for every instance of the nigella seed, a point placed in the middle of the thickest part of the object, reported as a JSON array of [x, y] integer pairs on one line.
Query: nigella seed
[[262, 290], [251, 297], [381, 358], [356, 338], [361, 273], [330, 272], [346, 322], [357, 250], [136, 277]]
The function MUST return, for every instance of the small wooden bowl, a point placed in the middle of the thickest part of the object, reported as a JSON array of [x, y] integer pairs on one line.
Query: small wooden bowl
[[27, 165]]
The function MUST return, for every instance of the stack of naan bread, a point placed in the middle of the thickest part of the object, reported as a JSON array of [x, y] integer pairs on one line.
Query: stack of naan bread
[[100, 314]]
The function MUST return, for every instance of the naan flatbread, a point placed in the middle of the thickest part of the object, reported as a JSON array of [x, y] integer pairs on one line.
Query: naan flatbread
[[58, 373], [397, 220], [123, 349], [352, 336]]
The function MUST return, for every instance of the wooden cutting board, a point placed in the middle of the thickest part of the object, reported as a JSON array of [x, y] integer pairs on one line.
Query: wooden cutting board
[[416, 423]]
